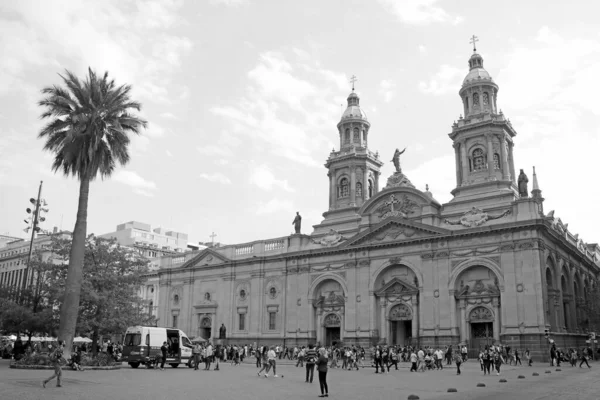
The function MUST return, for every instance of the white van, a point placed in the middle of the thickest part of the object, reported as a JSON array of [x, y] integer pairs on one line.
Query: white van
[[142, 346]]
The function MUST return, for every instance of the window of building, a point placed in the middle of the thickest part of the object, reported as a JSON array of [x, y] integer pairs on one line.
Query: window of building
[[356, 135], [272, 316], [359, 189], [485, 98], [150, 307], [174, 325], [475, 99], [478, 160], [347, 136], [496, 161], [344, 189], [370, 188], [242, 322], [144, 235]]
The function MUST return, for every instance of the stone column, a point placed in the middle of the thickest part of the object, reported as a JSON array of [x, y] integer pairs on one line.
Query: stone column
[[319, 327], [457, 162], [416, 319], [496, 307], [490, 155], [465, 162], [373, 314], [352, 186], [366, 184], [332, 191], [504, 157], [383, 325], [463, 321], [511, 161]]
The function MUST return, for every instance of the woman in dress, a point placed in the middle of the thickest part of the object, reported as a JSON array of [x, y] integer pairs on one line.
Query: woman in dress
[[322, 368]]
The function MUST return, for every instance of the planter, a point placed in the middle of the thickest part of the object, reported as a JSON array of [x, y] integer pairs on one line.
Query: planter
[[64, 367]]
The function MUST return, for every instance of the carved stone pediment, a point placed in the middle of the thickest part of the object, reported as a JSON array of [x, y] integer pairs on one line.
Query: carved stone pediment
[[396, 229], [206, 257], [330, 302], [396, 206], [333, 238], [478, 290], [397, 287]]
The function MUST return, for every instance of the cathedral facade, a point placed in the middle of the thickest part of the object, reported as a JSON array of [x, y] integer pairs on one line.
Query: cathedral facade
[[390, 264]]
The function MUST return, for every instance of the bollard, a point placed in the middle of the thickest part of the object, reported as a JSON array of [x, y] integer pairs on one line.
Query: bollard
[[521, 377], [558, 369], [481, 384], [502, 381], [413, 397], [452, 390], [548, 372], [535, 374]]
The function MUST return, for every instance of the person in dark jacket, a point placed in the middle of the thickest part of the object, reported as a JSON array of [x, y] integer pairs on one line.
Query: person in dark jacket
[[322, 368], [311, 359], [163, 349]]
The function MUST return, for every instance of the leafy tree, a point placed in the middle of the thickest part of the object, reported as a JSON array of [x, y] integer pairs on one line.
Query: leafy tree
[[112, 277], [88, 134]]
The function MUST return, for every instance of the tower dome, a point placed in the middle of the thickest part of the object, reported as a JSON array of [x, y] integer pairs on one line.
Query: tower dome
[[476, 71], [353, 111]]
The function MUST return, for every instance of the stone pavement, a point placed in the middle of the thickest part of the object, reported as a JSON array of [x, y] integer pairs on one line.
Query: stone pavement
[[241, 383]]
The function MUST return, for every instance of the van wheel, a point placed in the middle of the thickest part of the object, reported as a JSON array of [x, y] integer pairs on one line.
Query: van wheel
[[174, 365], [134, 364], [191, 363]]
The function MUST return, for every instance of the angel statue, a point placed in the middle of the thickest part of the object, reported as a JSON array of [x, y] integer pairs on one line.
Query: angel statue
[[396, 160]]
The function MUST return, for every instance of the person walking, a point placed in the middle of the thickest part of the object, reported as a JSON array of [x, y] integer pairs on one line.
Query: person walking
[[322, 368], [272, 356], [208, 358], [584, 358], [311, 359], [196, 352], [265, 361], [163, 349], [55, 358], [458, 362], [413, 360]]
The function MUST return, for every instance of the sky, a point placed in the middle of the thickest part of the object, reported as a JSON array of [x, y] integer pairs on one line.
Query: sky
[[243, 98]]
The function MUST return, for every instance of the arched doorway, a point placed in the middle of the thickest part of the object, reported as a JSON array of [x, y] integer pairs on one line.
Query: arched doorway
[[332, 323], [397, 305], [400, 320], [329, 306], [482, 327], [477, 294], [206, 328]]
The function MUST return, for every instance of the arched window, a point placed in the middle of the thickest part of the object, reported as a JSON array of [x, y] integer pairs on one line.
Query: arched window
[[549, 281], [486, 99], [496, 161], [347, 136], [150, 307], [344, 189], [478, 160], [356, 138], [364, 138], [370, 188], [358, 189], [475, 99]]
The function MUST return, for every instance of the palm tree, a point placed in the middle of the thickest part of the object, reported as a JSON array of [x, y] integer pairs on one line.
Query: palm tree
[[88, 134]]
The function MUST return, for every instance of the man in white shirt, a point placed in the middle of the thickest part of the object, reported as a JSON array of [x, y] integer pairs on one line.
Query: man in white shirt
[[271, 356], [421, 360], [208, 359], [438, 359]]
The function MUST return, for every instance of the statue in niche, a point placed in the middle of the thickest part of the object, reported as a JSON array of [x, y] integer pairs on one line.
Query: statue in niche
[[222, 332], [523, 180], [297, 222], [396, 160]]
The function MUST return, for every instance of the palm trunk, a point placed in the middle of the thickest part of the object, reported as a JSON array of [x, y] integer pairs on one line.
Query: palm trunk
[[69, 309]]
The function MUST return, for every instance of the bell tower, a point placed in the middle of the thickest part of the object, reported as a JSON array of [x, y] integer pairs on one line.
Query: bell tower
[[482, 140], [354, 169]]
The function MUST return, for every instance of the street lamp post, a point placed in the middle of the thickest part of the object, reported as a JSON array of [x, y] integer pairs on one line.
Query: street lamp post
[[36, 218]]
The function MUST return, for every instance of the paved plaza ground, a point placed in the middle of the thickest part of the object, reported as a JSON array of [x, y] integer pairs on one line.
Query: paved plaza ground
[[241, 383]]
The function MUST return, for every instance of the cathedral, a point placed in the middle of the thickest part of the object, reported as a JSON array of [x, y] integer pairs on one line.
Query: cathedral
[[389, 264]]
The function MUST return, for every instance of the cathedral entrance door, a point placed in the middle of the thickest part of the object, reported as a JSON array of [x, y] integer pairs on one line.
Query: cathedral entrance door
[[400, 333], [332, 324], [332, 336], [482, 335]]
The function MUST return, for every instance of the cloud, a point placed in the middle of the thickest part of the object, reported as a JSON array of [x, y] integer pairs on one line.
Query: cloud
[[447, 80], [420, 12], [215, 150], [216, 177], [169, 153], [136, 182], [289, 101], [273, 206], [262, 177], [148, 59], [386, 89], [168, 115], [422, 49], [229, 3]]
